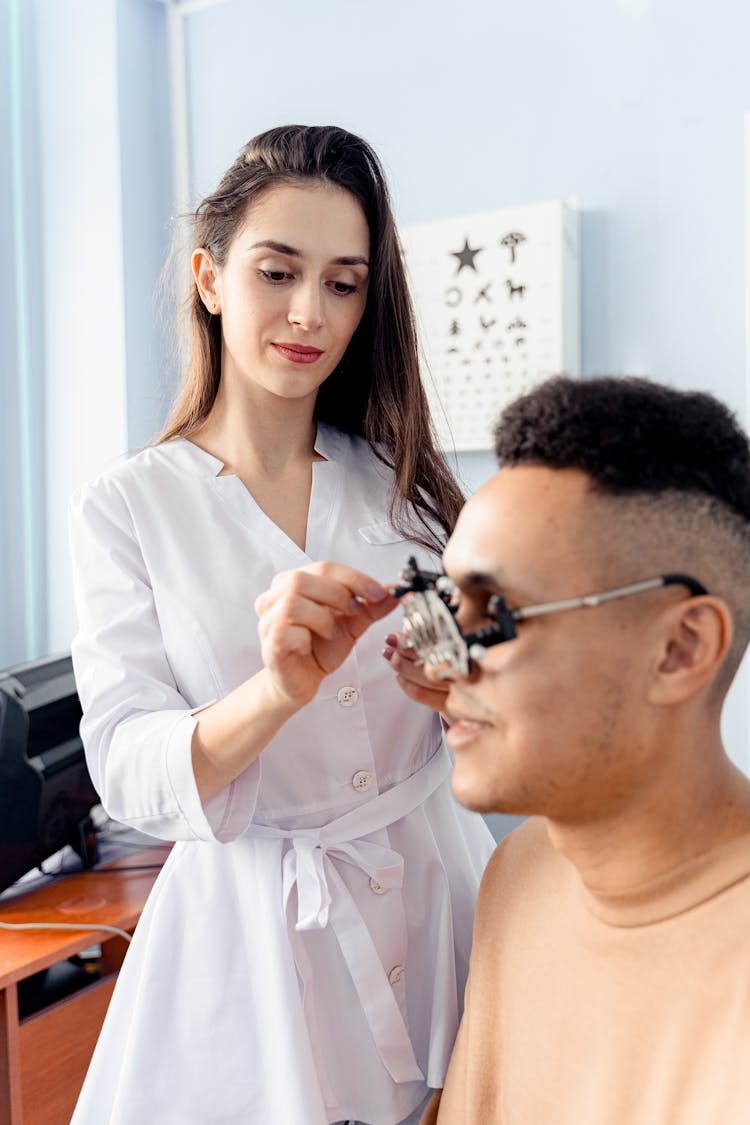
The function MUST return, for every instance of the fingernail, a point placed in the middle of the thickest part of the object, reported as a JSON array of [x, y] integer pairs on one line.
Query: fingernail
[[388, 653], [354, 606], [376, 591], [391, 640]]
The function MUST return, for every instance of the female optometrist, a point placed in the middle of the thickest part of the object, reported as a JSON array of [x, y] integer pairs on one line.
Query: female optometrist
[[302, 957]]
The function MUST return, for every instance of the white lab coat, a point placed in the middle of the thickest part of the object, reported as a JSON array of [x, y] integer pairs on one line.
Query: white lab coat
[[302, 956]]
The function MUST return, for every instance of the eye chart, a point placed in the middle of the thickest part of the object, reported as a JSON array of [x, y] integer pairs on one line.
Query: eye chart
[[497, 303]]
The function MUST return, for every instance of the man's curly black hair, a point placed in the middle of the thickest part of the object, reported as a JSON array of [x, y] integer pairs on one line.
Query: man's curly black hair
[[630, 435]]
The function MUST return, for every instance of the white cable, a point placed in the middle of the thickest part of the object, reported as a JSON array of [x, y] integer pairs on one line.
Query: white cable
[[92, 927]]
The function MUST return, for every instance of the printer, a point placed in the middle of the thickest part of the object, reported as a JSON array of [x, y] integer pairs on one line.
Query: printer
[[46, 794]]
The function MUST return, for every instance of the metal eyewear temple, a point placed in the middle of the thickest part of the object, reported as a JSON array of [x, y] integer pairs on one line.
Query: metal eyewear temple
[[506, 619]]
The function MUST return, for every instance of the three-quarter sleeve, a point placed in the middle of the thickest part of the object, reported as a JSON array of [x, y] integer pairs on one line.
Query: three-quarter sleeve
[[137, 727]]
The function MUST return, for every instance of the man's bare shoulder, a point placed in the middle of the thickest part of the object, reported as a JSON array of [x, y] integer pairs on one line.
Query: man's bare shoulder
[[518, 861], [526, 842]]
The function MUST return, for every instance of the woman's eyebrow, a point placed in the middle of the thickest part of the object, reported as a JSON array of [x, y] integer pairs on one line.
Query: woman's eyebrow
[[279, 247], [282, 248]]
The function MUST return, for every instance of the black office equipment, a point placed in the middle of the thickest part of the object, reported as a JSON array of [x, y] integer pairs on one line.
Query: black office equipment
[[46, 794]]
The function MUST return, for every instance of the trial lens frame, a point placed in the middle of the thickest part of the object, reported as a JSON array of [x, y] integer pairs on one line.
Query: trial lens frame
[[430, 603]]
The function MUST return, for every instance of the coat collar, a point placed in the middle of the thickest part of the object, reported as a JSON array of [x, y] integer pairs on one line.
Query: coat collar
[[330, 443]]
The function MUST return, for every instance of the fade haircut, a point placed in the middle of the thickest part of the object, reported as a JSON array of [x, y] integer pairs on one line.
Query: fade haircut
[[677, 463]]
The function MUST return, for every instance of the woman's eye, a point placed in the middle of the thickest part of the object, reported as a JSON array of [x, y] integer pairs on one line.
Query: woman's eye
[[275, 276], [343, 288]]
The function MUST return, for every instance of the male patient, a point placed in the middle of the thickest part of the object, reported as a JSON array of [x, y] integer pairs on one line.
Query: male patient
[[610, 974]]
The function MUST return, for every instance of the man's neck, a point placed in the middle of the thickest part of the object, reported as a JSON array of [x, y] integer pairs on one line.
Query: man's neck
[[656, 832]]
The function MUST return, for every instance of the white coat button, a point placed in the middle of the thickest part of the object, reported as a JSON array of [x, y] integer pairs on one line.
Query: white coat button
[[347, 696], [396, 974], [377, 888], [362, 780]]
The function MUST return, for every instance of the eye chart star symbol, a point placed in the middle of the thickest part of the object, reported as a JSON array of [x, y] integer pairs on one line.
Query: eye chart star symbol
[[466, 256]]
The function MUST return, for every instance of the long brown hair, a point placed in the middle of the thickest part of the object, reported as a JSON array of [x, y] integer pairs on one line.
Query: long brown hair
[[376, 391]]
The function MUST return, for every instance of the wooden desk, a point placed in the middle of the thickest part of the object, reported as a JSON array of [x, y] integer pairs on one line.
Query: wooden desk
[[44, 1056]]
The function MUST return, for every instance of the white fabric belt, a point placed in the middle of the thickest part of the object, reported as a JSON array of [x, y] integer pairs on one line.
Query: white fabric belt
[[323, 899]]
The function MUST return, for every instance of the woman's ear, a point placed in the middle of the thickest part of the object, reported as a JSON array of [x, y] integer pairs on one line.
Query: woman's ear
[[205, 276], [695, 642]]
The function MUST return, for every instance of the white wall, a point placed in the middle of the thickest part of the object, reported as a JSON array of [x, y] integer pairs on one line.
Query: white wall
[[83, 267], [105, 213]]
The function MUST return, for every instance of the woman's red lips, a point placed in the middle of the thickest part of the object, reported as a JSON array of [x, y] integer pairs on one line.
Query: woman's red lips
[[298, 353]]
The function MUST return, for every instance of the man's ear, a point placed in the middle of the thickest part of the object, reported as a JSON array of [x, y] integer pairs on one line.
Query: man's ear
[[695, 641], [205, 276]]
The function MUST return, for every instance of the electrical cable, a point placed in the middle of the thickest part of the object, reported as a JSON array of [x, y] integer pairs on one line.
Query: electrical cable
[[49, 877], [92, 927]]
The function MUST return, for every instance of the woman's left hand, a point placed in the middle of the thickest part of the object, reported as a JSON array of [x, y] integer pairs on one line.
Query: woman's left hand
[[410, 673]]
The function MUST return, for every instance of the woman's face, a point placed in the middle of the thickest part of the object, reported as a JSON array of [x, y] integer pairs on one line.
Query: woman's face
[[291, 292]]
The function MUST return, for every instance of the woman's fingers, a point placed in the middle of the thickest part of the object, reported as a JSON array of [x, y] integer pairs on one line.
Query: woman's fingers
[[285, 641], [308, 622], [294, 610], [340, 588], [310, 618], [410, 673]]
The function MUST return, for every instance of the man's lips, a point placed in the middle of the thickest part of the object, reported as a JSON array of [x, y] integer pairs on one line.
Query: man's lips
[[462, 732], [468, 724], [455, 713], [298, 353], [464, 727]]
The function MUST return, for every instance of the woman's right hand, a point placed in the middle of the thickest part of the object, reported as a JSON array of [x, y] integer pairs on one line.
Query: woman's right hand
[[309, 621]]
